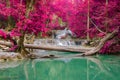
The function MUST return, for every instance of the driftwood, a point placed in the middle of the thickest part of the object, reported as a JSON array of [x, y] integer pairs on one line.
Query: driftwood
[[100, 45], [51, 47]]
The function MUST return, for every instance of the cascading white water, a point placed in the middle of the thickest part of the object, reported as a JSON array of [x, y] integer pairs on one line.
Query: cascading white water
[[61, 38]]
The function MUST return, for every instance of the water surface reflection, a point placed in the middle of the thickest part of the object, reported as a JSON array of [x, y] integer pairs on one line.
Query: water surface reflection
[[84, 68]]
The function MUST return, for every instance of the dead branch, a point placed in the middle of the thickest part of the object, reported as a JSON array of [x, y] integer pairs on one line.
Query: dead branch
[[100, 45]]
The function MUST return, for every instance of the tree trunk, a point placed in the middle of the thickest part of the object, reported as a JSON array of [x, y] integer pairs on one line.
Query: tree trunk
[[49, 47], [21, 48], [100, 45], [88, 21]]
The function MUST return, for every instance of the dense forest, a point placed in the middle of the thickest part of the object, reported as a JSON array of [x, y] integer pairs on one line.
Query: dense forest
[[87, 19]]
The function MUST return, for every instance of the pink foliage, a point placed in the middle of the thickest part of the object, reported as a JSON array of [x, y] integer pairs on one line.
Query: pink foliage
[[3, 34], [110, 47], [101, 35], [33, 24], [105, 17], [74, 12]]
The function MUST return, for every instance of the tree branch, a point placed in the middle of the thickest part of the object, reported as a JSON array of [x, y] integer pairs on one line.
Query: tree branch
[[100, 45]]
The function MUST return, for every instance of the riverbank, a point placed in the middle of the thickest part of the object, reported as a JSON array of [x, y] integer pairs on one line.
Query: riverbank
[[9, 56]]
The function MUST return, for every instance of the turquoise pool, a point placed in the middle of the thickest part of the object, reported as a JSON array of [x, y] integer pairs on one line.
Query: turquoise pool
[[99, 67]]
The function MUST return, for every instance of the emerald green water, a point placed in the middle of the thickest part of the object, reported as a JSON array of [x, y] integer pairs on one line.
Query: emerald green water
[[105, 67]]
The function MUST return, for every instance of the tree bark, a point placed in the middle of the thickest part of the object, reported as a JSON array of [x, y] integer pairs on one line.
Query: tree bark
[[21, 48], [88, 21], [95, 50]]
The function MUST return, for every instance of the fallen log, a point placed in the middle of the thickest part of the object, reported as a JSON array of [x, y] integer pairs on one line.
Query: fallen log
[[52, 47], [100, 45], [84, 50]]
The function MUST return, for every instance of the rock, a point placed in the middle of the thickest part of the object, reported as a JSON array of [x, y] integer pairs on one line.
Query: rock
[[9, 56]]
